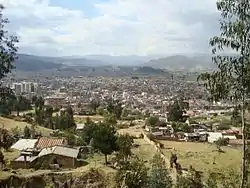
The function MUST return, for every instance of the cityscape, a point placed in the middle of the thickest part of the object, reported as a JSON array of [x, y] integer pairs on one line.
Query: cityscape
[[142, 103]]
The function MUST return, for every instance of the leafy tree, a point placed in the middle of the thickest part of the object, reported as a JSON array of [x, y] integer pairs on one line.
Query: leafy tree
[[231, 80], [26, 132], [7, 53], [110, 119], [175, 112], [115, 107], [124, 143], [16, 131], [181, 127], [100, 110], [6, 140], [159, 174], [39, 102], [153, 120], [89, 131], [104, 139], [132, 175]]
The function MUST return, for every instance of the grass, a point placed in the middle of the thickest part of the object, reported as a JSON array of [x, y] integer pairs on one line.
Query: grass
[[145, 150], [202, 155], [10, 155], [10, 124]]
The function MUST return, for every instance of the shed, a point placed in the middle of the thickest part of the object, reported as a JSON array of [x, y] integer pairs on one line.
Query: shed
[[24, 144]]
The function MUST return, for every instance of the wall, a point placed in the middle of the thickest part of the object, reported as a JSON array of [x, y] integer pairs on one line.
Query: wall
[[19, 164], [157, 147], [64, 162]]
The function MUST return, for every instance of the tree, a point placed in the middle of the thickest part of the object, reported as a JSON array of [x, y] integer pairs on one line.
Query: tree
[[104, 139], [231, 80], [26, 132], [89, 131], [132, 175], [6, 140], [153, 120], [115, 107], [175, 112], [8, 54], [159, 175], [124, 143]]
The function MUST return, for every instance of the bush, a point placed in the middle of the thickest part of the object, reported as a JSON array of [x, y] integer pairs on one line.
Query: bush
[[222, 142]]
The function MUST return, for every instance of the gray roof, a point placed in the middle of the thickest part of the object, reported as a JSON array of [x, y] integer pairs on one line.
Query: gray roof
[[24, 144], [28, 158], [60, 150]]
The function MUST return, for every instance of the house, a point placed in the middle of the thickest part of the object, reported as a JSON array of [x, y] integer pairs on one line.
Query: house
[[62, 156], [23, 161], [214, 136], [24, 144], [191, 136]]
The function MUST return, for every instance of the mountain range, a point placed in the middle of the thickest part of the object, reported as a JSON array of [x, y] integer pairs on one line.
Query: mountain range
[[172, 63]]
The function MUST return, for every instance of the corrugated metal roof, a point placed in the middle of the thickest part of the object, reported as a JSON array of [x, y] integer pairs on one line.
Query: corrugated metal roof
[[80, 126], [59, 150], [44, 142], [24, 144], [28, 158]]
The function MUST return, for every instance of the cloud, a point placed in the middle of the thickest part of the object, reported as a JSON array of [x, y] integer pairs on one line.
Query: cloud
[[120, 27]]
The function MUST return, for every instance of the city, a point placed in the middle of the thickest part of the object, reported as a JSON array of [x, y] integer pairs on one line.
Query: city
[[103, 95]]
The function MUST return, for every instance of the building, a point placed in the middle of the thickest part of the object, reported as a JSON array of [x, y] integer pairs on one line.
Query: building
[[59, 156], [44, 142], [62, 156], [55, 101], [17, 87]]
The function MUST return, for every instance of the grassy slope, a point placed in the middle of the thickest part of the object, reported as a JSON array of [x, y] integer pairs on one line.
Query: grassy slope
[[11, 124], [202, 155]]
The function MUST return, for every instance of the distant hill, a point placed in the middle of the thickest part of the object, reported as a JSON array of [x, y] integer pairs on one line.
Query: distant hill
[[183, 63], [80, 61], [34, 63]]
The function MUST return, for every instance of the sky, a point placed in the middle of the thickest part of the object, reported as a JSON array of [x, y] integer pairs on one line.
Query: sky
[[112, 27]]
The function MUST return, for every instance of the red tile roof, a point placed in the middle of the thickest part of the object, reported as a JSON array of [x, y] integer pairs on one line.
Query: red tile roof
[[44, 142]]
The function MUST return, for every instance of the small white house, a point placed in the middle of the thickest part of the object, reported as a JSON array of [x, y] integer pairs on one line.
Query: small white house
[[214, 136]]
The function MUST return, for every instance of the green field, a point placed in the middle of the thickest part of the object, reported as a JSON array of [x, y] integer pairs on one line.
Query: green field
[[203, 156]]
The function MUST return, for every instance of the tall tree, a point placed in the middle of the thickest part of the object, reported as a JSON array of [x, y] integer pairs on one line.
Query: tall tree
[[8, 55], [176, 111], [124, 143], [115, 107], [232, 78], [104, 139]]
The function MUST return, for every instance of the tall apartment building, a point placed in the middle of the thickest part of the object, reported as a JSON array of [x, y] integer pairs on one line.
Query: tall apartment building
[[24, 87]]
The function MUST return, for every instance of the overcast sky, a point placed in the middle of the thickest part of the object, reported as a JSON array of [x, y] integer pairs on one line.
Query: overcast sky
[[113, 27]]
